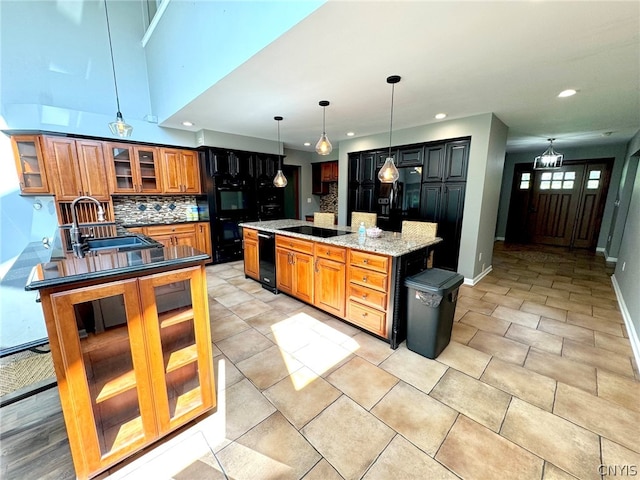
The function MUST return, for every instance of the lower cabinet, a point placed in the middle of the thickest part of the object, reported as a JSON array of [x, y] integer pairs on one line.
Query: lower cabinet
[[329, 278], [133, 361], [196, 235], [251, 255], [294, 267]]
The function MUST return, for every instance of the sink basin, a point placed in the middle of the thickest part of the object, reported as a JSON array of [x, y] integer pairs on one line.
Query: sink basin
[[129, 242]]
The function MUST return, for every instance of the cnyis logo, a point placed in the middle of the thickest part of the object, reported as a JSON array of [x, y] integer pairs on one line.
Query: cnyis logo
[[618, 470]]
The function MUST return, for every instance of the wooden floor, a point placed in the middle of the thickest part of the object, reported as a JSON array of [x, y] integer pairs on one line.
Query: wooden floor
[[539, 356]]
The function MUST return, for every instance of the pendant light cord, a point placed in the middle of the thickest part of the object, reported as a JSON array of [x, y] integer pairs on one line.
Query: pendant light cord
[[113, 66], [393, 87], [324, 109]]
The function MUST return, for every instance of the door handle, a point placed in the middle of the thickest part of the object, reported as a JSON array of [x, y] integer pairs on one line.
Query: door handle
[[316, 266]]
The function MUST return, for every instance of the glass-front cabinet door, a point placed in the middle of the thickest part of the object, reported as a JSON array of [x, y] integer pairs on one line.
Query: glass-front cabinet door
[[134, 169], [30, 164], [111, 413], [182, 363]]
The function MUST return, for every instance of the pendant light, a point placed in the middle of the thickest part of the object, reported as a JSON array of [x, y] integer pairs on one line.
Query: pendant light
[[389, 173], [279, 180], [549, 159], [119, 127], [323, 147]]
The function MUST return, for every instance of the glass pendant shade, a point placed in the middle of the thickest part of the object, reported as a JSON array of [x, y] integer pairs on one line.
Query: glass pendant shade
[[549, 159], [388, 173], [324, 147], [280, 180], [120, 128]]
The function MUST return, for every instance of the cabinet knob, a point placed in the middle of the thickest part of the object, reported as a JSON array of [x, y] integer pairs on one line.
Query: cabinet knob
[[364, 279], [365, 261], [328, 253], [364, 295], [364, 314]]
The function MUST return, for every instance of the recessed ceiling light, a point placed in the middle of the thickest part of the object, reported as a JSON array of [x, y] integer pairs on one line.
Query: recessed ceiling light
[[440, 116], [567, 93], [350, 134], [307, 144], [187, 123]]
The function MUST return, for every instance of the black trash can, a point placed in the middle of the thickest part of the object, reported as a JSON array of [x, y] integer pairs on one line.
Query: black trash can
[[431, 303]]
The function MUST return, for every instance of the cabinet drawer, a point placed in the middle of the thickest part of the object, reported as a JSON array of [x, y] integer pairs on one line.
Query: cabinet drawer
[[171, 229], [371, 261], [368, 278], [368, 318], [338, 254], [368, 296], [303, 246], [249, 233]]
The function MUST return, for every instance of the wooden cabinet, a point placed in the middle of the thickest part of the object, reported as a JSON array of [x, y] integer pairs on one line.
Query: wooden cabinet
[[77, 168], [133, 361], [321, 175], [368, 283], [329, 171], [446, 162], [234, 164], [294, 267], [180, 171], [32, 175], [251, 255], [203, 238], [329, 278], [174, 234], [133, 169]]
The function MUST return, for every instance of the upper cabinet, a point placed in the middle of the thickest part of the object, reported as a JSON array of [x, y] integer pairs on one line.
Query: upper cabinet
[[133, 168], [77, 168], [321, 175], [27, 152], [180, 171], [446, 162]]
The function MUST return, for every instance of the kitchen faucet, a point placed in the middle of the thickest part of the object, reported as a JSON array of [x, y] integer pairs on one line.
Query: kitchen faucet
[[76, 237]]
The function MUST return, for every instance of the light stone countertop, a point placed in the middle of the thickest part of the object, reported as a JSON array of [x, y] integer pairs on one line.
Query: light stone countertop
[[394, 244]]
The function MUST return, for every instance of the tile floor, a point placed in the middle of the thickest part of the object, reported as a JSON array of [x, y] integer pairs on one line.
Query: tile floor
[[538, 382]]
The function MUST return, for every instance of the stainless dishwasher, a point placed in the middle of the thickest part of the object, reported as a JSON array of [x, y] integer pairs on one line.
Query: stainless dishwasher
[[267, 254]]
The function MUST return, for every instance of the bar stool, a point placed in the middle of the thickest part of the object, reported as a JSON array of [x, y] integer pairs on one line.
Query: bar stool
[[324, 219], [425, 229], [369, 219]]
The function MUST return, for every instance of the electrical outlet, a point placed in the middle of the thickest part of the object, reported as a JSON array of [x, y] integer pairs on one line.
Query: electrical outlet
[[624, 264], [483, 267], [480, 259], [308, 199]]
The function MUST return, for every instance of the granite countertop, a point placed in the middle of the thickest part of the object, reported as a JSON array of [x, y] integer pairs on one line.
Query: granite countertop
[[154, 224], [394, 244]]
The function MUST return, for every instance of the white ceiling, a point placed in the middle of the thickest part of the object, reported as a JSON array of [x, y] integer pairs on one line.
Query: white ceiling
[[511, 58]]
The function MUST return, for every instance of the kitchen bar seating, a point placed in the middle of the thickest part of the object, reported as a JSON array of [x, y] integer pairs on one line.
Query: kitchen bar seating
[[324, 219], [369, 219], [427, 229]]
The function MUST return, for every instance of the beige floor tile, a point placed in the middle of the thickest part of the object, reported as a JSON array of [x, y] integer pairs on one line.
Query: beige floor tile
[[535, 338], [244, 345], [562, 369], [568, 305], [620, 390], [368, 347], [544, 310], [462, 333], [522, 285], [477, 400], [335, 330], [615, 458], [268, 367], [265, 295], [250, 309], [485, 322], [597, 357], [272, 449], [605, 292], [465, 359], [416, 416], [414, 369], [523, 272], [348, 437], [225, 373], [293, 333], [476, 305], [520, 382], [459, 313], [473, 451], [551, 472], [572, 287], [251, 287], [469, 291], [567, 330], [594, 323], [511, 302], [402, 460], [302, 396], [227, 327], [501, 347], [613, 343], [217, 310], [607, 314], [222, 289], [516, 316], [573, 448], [591, 300], [265, 322], [527, 295], [612, 421], [550, 292], [491, 287], [245, 408], [363, 382], [234, 298], [286, 304], [323, 356], [228, 273], [322, 471]]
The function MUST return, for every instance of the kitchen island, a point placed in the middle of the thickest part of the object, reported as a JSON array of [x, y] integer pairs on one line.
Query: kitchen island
[[131, 345], [328, 267]]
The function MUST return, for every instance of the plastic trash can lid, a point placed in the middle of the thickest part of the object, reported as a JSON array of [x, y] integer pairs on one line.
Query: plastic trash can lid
[[434, 279]]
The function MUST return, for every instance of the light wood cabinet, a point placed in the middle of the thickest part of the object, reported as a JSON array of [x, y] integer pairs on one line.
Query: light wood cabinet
[[133, 361], [203, 238], [174, 234], [329, 278], [32, 175], [180, 171], [294, 267], [77, 168], [251, 255], [133, 169]]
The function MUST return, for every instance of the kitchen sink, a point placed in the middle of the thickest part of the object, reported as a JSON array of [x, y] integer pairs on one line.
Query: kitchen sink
[[128, 242]]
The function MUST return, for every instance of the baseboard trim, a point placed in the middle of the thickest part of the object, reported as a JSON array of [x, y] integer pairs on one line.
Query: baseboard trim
[[473, 281], [626, 316], [611, 259], [500, 239]]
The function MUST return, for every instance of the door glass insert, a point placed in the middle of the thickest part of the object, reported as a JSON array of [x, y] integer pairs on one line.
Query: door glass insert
[[148, 174], [525, 180], [546, 176], [594, 174], [567, 185], [558, 175], [556, 185], [569, 175], [545, 185], [29, 163], [122, 162], [594, 179]]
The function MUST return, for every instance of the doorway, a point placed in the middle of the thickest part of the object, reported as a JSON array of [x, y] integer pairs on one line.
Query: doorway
[[291, 191], [561, 207]]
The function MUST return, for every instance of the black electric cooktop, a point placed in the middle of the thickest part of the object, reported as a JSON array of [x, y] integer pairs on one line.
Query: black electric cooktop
[[316, 231]]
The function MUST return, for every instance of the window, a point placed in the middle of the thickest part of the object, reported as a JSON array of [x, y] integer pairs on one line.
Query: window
[[525, 180], [594, 179], [557, 181]]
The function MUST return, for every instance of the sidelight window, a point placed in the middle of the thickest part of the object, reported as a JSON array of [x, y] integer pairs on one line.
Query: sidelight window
[[525, 180], [594, 179], [557, 180]]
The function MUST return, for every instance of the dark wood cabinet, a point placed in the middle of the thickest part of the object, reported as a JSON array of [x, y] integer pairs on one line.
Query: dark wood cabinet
[[362, 182], [433, 167], [322, 174], [235, 164], [267, 166], [456, 160], [410, 157]]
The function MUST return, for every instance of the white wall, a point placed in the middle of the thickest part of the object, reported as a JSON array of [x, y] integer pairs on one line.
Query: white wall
[[486, 155]]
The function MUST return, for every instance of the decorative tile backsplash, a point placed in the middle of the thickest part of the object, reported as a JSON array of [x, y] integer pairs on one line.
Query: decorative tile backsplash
[[329, 202], [153, 209]]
